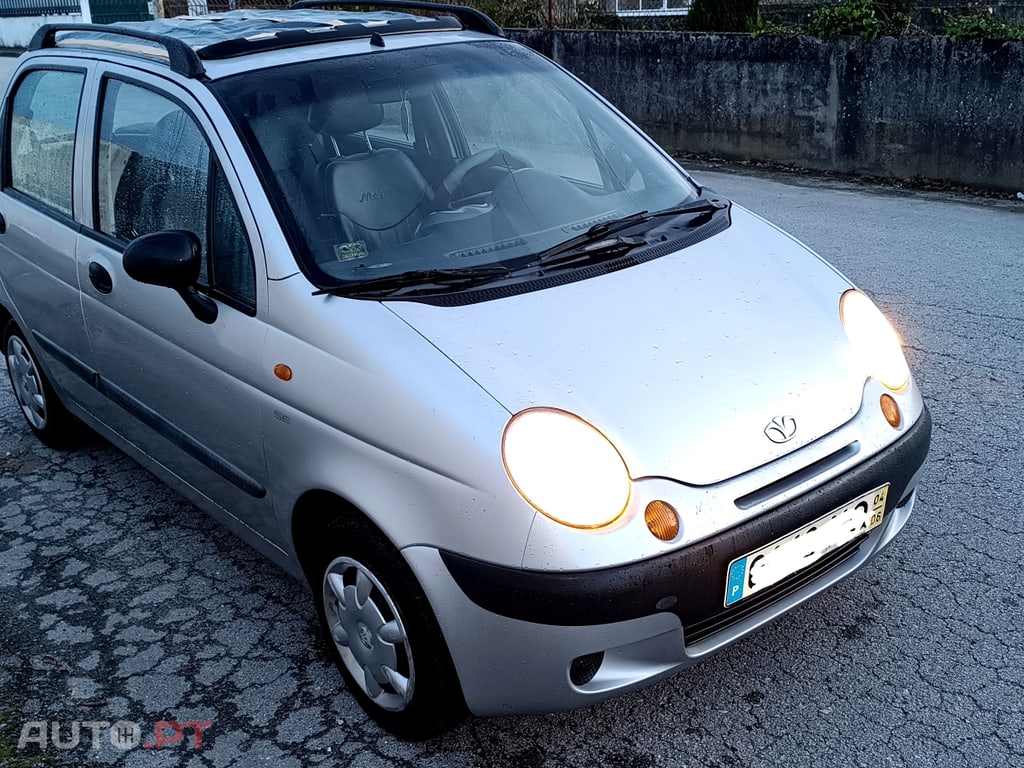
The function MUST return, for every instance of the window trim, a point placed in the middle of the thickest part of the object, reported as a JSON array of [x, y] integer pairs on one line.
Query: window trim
[[92, 228], [234, 300], [663, 11], [7, 117]]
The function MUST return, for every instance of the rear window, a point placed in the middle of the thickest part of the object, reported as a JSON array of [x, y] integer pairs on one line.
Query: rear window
[[41, 139]]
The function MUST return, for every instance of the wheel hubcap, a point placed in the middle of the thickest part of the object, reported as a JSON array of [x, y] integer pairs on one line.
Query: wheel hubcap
[[365, 637], [368, 633], [27, 381]]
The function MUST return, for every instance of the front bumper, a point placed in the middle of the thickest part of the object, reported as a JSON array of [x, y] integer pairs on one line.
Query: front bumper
[[514, 633]]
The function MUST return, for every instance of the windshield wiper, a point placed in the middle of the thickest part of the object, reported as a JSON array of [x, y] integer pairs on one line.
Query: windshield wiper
[[601, 249], [387, 284], [596, 241], [701, 205]]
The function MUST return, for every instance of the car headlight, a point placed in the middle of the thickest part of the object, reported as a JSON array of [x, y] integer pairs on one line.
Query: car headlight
[[565, 468], [874, 339]]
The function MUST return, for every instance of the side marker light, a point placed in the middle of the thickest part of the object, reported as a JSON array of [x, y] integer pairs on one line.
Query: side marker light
[[891, 411], [662, 520]]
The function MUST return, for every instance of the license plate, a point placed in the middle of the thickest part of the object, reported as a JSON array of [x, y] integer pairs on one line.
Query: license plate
[[769, 565]]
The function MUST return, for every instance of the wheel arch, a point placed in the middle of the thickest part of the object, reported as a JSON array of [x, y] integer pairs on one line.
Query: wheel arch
[[314, 512]]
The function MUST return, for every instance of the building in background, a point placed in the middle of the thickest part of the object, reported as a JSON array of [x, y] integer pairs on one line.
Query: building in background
[[19, 19]]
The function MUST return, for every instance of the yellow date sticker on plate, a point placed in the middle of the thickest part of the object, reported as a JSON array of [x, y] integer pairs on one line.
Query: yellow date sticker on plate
[[770, 564]]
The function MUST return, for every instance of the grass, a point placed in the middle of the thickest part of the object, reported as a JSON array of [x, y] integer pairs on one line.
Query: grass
[[10, 755]]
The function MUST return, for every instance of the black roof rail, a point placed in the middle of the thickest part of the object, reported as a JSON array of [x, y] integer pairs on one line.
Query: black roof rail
[[290, 38], [471, 18], [180, 56]]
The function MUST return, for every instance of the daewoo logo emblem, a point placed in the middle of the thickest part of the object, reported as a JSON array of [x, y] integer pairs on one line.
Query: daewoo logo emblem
[[781, 429]]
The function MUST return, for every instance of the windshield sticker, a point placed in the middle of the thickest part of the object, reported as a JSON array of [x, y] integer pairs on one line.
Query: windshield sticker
[[351, 251]]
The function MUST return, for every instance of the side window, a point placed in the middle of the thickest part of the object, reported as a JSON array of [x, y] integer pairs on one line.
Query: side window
[[623, 171], [154, 172], [44, 116], [153, 165], [231, 267], [396, 127]]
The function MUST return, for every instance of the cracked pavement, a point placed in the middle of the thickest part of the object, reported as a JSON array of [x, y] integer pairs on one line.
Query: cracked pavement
[[120, 601]]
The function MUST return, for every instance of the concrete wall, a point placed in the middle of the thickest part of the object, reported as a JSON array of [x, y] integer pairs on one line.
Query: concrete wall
[[897, 107], [17, 31]]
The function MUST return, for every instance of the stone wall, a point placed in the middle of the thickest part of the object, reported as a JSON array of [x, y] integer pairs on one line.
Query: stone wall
[[896, 107]]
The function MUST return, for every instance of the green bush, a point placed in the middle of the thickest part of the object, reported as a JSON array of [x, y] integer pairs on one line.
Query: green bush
[[978, 25], [893, 10], [514, 13], [861, 18], [724, 16], [857, 17], [775, 27]]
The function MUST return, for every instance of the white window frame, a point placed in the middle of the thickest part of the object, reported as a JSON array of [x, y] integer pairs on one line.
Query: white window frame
[[663, 10]]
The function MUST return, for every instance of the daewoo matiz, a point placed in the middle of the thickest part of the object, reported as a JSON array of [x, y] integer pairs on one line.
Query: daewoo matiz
[[429, 323]]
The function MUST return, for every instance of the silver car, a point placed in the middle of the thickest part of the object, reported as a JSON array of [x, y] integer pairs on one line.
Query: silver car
[[425, 320]]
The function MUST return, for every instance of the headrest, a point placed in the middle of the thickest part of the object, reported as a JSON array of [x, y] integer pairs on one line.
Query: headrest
[[176, 139], [340, 112]]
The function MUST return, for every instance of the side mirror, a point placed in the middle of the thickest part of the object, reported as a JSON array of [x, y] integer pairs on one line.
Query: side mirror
[[172, 259]]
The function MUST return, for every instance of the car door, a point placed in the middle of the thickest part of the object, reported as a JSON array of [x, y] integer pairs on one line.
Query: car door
[[182, 391], [40, 194]]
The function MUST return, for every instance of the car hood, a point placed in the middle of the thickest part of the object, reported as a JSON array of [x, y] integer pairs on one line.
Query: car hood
[[682, 361]]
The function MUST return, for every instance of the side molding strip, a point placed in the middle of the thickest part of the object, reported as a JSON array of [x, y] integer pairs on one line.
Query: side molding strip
[[154, 420]]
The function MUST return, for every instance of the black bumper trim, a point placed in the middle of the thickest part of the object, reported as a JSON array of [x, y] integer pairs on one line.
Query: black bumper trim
[[726, 617], [695, 576]]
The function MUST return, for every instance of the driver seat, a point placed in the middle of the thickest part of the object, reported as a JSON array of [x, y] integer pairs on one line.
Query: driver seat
[[379, 197], [375, 196]]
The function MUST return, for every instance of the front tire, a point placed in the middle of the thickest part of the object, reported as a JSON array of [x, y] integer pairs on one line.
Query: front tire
[[46, 415], [383, 635]]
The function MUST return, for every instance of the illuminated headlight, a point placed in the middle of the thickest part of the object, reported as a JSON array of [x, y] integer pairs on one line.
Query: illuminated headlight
[[565, 467], [874, 340]]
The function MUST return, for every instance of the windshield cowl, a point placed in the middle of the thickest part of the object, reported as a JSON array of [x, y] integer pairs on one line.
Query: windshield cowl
[[569, 262]]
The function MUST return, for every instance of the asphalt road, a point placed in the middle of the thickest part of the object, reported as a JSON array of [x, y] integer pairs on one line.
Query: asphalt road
[[120, 602]]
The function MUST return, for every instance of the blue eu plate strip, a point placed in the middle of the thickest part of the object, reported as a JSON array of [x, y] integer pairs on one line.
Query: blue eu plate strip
[[737, 573]]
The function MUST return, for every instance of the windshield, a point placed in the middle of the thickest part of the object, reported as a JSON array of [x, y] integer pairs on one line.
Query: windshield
[[450, 157]]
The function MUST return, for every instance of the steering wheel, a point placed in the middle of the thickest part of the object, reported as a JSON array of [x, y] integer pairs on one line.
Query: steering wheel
[[481, 171]]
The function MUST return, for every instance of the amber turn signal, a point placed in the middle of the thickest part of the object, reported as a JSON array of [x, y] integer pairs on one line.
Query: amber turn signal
[[662, 520], [283, 372], [891, 411]]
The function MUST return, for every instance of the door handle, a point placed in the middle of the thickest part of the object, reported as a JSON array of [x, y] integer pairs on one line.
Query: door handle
[[100, 278]]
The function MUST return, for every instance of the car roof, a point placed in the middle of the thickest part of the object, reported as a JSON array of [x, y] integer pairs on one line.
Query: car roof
[[185, 42]]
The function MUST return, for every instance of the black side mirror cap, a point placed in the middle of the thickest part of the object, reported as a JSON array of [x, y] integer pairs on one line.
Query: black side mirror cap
[[171, 258]]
